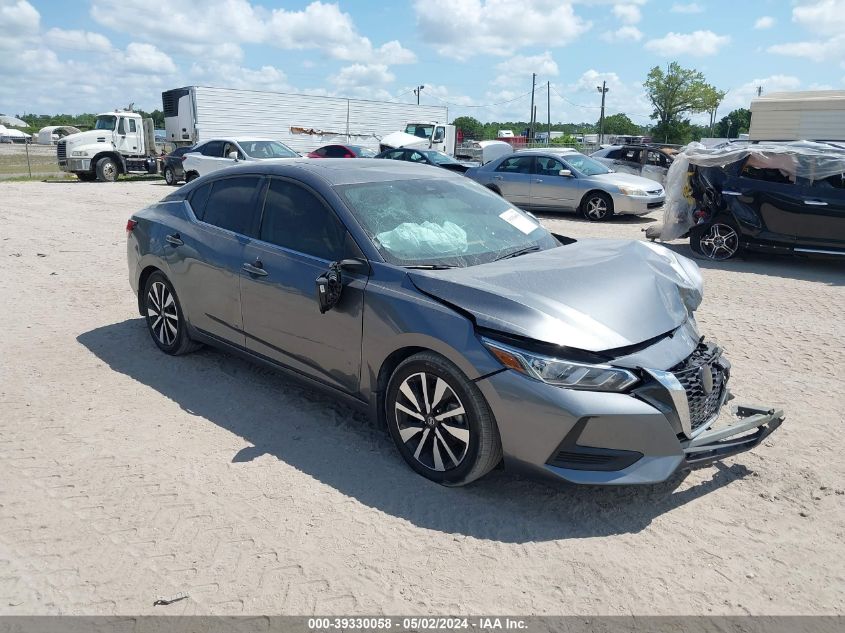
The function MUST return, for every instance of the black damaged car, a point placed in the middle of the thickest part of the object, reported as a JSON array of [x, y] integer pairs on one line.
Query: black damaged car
[[789, 199]]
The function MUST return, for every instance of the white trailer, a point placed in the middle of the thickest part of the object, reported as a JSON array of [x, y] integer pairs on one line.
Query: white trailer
[[798, 116], [304, 122]]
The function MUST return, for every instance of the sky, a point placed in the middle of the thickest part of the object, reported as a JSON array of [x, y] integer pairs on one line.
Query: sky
[[475, 56]]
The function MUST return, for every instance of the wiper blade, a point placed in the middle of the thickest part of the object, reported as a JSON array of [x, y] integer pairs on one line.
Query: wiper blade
[[521, 251], [430, 267]]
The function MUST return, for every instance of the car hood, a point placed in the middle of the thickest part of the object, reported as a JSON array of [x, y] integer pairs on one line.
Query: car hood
[[401, 139], [618, 178], [593, 295]]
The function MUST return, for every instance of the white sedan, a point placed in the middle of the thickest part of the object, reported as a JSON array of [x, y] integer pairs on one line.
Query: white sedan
[[220, 153]]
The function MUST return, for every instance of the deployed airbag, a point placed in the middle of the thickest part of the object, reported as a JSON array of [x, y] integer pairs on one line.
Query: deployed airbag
[[428, 239]]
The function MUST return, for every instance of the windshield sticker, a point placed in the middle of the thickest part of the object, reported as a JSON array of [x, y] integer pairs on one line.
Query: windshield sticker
[[518, 221]]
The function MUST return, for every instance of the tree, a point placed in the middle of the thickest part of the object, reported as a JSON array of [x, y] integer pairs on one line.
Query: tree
[[472, 128], [620, 125], [677, 92], [737, 122]]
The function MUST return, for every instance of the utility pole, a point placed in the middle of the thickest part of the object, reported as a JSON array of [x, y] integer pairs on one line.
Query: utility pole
[[549, 112], [603, 90], [531, 125], [417, 92]]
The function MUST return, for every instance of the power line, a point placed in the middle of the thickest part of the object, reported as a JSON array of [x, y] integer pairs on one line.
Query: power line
[[589, 107], [484, 105]]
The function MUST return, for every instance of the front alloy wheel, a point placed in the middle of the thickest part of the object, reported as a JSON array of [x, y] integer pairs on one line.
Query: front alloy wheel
[[598, 207], [717, 242], [440, 421], [432, 422]]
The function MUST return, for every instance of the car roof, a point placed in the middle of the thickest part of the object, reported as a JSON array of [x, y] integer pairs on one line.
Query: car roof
[[342, 171], [541, 152], [241, 139]]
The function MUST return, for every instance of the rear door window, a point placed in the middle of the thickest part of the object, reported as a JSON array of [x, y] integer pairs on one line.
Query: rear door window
[[198, 199], [516, 165], [396, 154], [778, 168], [231, 204], [335, 151], [213, 148], [296, 219]]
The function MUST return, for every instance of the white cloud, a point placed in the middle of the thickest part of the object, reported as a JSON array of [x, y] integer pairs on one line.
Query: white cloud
[[740, 96], [217, 28], [696, 44], [77, 40], [521, 67], [623, 34], [146, 59], [18, 17], [691, 7], [498, 27], [366, 76], [628, 13], [764, 22], [265, 78], [826, 20]]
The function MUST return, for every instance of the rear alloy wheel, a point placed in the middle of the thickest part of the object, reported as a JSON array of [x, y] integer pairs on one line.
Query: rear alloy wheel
[[169, 176], [597, 206], [440, 422], [107, 170], [164, 317], [718, 241]]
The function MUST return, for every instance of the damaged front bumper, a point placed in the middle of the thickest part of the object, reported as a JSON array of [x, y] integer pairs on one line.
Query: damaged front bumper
[[755, 425]]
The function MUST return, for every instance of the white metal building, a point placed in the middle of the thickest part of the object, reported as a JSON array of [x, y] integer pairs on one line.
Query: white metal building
[[797, 116]]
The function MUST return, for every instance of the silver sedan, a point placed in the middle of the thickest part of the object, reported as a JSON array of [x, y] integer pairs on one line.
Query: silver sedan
[[550, 181]]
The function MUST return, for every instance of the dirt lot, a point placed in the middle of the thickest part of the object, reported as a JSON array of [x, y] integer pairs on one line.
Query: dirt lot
[[128, 476]]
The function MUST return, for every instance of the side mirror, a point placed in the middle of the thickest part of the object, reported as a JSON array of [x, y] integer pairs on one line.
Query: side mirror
[[329, 286], [233, 155], [566, 173], [330, 283]]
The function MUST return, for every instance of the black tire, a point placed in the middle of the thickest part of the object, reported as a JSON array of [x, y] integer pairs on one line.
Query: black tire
[[107, 170], [597, 206], [453, 451], [86, 176], [191, 175], [717, 241], [157, 291], [170, 177]]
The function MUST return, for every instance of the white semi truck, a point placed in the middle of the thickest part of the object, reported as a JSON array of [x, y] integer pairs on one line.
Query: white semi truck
[[121, 143], [303, 122]]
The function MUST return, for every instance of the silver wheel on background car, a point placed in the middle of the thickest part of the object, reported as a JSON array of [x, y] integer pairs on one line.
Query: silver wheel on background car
[[162, 313], [597, 207], [719, 242], [169, 176], [432, 422]]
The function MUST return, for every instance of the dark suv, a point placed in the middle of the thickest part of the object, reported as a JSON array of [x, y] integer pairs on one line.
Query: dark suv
[[782, 202], [171, 165]]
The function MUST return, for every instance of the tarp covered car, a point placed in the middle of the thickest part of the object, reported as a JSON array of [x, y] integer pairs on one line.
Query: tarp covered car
[[777, 197]]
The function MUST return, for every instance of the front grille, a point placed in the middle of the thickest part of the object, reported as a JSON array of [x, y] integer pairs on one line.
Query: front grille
[[654, 205], [61, 150], [703, 405], [655, 192]]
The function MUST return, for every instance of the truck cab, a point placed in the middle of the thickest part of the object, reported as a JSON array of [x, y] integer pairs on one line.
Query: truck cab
[[121, 142], [423, 135]]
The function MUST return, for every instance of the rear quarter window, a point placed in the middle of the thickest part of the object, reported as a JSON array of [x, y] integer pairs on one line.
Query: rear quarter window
[[198, 200]]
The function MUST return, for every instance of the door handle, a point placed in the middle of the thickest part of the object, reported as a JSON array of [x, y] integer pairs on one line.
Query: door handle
[[816, 203], [497, 178], [255, 268], [728, 192], [537, 180], [175, 239]]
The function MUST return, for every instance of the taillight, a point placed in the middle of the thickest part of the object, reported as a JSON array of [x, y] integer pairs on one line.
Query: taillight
[[131, 224]]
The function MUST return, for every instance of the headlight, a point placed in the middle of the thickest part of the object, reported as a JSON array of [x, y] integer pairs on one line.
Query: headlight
[[78, 153], [632, 191], [562, 373]]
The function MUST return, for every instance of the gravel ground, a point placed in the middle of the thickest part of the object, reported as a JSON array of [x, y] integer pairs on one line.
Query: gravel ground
[[128, 476]]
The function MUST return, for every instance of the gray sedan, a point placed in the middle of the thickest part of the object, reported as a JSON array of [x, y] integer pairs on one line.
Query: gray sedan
[[551, 181], [473, 334]]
